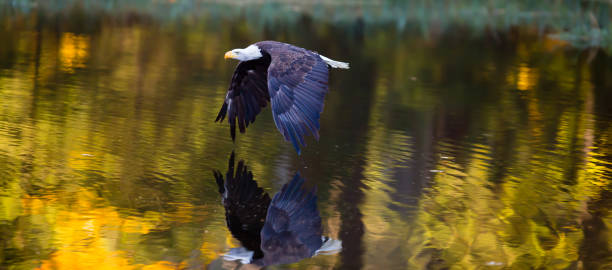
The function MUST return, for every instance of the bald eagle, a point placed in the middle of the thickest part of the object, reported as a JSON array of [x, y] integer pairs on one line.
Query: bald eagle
[[292, 79]]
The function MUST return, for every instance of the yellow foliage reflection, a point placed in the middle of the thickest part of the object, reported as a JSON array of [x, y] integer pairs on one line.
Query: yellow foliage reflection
[[526, 78], [87, 235], [73, 51]]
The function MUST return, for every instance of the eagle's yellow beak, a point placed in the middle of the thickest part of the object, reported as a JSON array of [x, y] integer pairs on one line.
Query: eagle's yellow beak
[[230, 54]]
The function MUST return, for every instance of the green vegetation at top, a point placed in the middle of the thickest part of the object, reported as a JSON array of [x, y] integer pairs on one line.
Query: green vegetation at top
[[581, 23]]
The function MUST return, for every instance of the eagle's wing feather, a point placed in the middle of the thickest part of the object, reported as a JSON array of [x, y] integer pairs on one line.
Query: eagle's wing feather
[[297, 83], [246, 204], [247, 94], [292, 230]]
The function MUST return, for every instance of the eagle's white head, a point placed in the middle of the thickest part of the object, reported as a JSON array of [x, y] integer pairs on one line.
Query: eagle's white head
[[246, 54]]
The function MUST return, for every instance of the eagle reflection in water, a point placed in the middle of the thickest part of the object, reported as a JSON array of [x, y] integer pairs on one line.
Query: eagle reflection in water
[[283, 230]]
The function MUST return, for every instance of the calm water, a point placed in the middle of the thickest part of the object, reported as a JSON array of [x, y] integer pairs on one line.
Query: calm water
[[446, 149]]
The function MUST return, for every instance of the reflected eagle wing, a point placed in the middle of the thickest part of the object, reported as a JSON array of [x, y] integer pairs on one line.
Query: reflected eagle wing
[[245, 203], [247, 94], [297, 83], [293, 226]]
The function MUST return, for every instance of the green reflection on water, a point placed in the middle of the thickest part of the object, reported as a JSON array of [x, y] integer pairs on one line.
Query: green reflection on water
[[453, 150]]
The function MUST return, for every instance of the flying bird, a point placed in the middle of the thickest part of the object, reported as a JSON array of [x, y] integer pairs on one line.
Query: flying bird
[[292, 79], [283, 230]]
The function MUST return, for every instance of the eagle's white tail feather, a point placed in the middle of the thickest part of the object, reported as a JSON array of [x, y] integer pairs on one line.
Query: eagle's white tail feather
[[329, 246], [244, 255], [334, 63]]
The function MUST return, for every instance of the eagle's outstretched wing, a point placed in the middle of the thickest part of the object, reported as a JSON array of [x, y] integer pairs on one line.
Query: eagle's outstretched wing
[[246, 95], [297, 83]]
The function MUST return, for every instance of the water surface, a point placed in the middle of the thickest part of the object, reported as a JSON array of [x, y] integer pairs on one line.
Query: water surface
[[458, 148]]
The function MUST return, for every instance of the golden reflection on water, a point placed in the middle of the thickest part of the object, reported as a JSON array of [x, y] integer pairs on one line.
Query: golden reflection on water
[[86, 234], [531, 218], [73, 51], [526, 78]]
